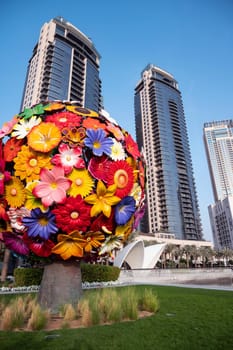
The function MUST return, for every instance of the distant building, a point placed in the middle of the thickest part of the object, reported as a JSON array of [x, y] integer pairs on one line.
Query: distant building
[[64, 66], [218, 139], [172, 205]]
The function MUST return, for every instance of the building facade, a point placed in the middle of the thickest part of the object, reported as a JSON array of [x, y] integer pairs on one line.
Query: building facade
[[218, 140], [161, 132], [64, 66]]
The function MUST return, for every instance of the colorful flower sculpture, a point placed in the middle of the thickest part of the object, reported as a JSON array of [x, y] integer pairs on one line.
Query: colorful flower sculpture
[[71, 184]]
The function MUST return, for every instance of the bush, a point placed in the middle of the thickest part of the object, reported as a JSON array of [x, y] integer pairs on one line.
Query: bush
[[28, 276], [99, 273]]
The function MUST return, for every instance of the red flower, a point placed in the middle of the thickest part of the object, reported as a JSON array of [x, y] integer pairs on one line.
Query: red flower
[[98, 167], [11, 148], [120, 173], [3, 213], [39, 247], [64, 119], [72, 215], [132, 147], [102, 223]]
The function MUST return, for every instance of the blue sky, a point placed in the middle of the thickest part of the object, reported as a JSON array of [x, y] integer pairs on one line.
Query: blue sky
[[191, 39]]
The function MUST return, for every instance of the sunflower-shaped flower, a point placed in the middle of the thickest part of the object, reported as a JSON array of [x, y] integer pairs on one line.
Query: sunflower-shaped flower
[[29, 163], [73, 214], [103, 199], [82, 111], [69, 245], [15, 192], [44, 137], [82, 183]]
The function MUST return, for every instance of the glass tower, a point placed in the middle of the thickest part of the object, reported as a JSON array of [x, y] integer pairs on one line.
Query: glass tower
[[64, 66], [218, 140], [161, 132]]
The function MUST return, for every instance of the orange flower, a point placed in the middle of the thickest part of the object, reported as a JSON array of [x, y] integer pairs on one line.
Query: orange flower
[[44, 137], [92, 123], [11, 148]]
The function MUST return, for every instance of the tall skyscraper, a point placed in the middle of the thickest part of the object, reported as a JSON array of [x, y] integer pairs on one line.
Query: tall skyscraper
[[64, 66], [161, 131], [218, 140]]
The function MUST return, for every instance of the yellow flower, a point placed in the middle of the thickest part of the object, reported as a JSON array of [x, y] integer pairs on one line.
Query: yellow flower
[[124, 230], [103, 199], [33, 202], [44, 137], [69, 245], [93, 240], [29, 163], [15, 192], [82, 183], [82, 111]]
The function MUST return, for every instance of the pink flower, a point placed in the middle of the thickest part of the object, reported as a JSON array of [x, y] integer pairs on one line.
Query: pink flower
[[52, 187], [4, 175], [7, 127], [69, 158]]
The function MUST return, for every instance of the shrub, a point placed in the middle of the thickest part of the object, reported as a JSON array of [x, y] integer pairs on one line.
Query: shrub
[[99, 273], [28, 276]]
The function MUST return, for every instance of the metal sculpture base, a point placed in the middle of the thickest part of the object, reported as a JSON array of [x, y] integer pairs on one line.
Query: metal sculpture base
[[61, 284]]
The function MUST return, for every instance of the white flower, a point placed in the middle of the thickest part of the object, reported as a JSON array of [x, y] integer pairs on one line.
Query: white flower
[[117, 151], [24, 127]]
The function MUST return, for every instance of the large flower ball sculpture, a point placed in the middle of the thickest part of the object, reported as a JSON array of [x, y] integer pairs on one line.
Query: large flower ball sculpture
[[72, 183]]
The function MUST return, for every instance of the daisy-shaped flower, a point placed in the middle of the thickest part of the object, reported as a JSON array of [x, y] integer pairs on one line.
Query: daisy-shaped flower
[[98, 167], [93, 240], [69, 245], [69, 158], [16, 243], [29, 163], [93, 123], [16, 215], [44, 137], [97, 141], [38, 246], [132, 147], [52, 187], [124, 210], [120, 173], [64, 119], [117, 151], [115, 131], [40, 224], [32, 201], [74, 136], [23, 127], [82, 183], [11, 148], [102, 200], [15, 192], [82, 111], [73, 214]]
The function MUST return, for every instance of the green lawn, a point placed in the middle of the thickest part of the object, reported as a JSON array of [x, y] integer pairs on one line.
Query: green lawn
[[188, 318]]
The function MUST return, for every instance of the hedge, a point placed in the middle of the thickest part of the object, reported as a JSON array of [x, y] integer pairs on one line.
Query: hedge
[[90, 273]]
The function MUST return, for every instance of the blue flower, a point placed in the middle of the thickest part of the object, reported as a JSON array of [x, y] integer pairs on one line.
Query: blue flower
[[98, 142], [124, 210], [40, 224]]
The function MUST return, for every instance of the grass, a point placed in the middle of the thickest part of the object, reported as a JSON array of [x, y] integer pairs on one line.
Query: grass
[[187, 319]]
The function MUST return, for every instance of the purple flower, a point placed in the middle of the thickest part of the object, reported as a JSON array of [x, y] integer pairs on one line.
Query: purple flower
[[15, 242], [98, 142], [40, 224], [124, 210]]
